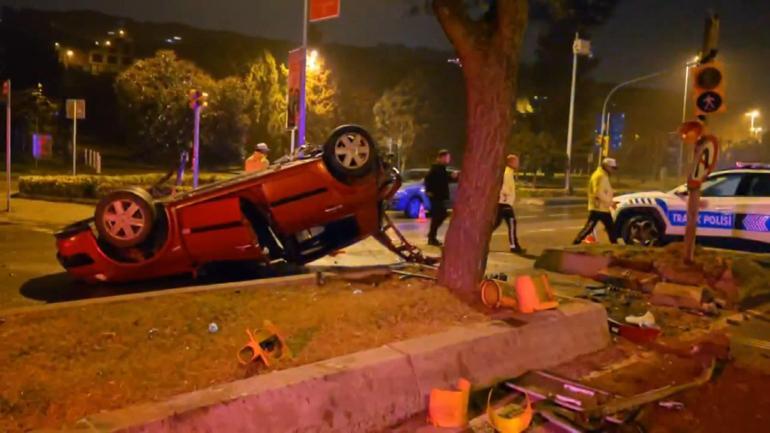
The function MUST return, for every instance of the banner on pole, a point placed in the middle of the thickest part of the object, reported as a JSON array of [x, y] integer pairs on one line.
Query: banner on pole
[[324, 10], [42, 146], [296, 64]]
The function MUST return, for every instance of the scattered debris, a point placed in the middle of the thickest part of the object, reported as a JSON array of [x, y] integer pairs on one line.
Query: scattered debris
[[678, 295], [213, 328], [670, 404], [449, 408], [528, 295], [263, 345], [152, 333], [647, 320], [358, 292], [404, 275], [636, 334], [510, 418]]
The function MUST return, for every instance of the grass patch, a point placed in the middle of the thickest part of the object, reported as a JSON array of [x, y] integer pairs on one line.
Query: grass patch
[[59, 366]]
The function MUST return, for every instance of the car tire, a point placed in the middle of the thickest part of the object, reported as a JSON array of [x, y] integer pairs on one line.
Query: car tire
[[350, 153], [642, 230], [412, 209], [125, 218]]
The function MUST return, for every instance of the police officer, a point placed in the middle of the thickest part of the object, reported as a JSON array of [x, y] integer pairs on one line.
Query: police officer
[[258, 160], [437, 189], [600, 201]]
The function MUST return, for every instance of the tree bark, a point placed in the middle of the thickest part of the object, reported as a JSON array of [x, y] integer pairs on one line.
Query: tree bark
[[489, 53]]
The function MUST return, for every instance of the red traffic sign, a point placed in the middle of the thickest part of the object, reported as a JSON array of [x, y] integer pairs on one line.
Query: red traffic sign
[[6, 87], [706, 153], [76, 108], [324, 10]]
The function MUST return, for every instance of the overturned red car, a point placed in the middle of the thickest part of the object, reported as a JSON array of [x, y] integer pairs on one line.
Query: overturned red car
[[298, 210]]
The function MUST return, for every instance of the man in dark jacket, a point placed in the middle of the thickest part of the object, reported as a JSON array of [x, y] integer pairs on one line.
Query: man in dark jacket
[[437, 189]]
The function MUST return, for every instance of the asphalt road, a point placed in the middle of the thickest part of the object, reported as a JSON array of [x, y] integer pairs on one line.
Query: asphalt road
[[30, 274]]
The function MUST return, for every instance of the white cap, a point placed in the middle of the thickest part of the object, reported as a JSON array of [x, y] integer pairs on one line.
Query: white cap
[[262, 147], [610, 162]]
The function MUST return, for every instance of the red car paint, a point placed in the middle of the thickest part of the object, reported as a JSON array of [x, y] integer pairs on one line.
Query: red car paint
[[311, 212]]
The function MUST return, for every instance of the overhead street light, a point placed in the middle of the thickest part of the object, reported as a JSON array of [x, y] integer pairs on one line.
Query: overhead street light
[[753, 114]]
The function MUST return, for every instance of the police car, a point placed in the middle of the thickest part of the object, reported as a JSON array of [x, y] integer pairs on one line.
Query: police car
[[734, 213]]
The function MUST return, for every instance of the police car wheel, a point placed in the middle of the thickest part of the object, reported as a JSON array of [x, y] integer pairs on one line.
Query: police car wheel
[[641, 230]]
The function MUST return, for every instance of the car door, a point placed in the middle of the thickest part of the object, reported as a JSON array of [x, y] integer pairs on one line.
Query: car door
[[752, 209], [716, 218]]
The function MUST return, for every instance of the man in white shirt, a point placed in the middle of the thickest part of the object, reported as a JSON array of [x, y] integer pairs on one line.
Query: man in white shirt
[[506, 202]]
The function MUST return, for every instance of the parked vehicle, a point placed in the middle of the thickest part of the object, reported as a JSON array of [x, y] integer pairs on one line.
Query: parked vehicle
[[297, 210], [411, 197], [735, 211]]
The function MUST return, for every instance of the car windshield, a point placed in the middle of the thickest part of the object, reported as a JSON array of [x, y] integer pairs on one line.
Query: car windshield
[[718, 185]]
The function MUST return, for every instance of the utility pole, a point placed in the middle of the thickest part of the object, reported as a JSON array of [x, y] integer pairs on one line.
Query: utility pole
[[302, 130], [198, 100], [7, 91]]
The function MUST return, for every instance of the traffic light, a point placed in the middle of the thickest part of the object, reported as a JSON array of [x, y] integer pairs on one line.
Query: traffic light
[[708, 84], [198, 99]]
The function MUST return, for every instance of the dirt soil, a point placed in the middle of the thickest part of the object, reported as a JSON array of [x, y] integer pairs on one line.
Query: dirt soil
[[734, 401], [57, 367]]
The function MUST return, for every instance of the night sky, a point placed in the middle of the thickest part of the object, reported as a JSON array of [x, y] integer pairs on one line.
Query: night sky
[[642, 37]]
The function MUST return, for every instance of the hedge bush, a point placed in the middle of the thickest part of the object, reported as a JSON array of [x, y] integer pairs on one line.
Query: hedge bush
[[95, 187]]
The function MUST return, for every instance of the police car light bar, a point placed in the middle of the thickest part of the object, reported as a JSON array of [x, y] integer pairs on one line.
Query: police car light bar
[[752, 165]]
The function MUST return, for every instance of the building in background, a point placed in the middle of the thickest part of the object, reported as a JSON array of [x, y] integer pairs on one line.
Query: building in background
[[106, 55]]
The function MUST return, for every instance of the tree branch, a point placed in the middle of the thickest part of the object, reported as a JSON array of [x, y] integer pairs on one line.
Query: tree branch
[[512, 18], [459, 28]]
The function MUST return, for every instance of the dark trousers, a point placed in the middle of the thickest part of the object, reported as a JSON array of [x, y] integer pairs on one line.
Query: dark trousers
[[505, 213], [594, 217], [438, 214]]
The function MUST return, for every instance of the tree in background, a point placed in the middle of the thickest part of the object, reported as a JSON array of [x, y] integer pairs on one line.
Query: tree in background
[[537, 150], [401, 114], [34, 112], [266, 81], [226, 122], [153, 101], [322, 105]]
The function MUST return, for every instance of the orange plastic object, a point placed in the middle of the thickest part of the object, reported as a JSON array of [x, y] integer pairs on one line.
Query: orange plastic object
[[691, 131], [534, 294], [264, 344], [510, 418], [449, 408], [498, 294]]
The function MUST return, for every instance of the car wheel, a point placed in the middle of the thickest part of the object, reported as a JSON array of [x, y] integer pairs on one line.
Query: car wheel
[[642, 230], [125, 218], [350, 153], [413, 208]]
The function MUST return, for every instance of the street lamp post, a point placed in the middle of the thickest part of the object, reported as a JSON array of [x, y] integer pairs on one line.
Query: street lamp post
[[604, 124], [302, 127], [579, 47]]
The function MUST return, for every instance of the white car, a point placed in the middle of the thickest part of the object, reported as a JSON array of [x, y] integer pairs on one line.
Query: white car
[[734, 213]]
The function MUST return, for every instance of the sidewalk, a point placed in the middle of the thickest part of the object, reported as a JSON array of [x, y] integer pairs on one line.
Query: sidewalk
[[48, 214]]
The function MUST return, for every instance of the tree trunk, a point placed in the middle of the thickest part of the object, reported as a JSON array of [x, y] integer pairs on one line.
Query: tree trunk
[[489, 119], [489, 55]]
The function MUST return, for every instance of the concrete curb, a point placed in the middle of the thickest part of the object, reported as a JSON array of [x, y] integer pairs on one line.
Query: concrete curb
[[370, 390], [554, 201], [265, 283]]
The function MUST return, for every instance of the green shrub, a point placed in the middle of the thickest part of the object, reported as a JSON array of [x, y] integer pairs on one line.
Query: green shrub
[[95, 187]]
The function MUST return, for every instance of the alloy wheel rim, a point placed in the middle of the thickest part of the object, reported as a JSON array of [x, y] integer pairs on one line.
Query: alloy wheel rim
[[644, 232], [124, 219], [352, 151]]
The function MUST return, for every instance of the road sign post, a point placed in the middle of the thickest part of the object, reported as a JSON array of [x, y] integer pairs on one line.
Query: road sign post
[[705, 160], [76, 109], [198, 100], [7, 92], [580, 47]]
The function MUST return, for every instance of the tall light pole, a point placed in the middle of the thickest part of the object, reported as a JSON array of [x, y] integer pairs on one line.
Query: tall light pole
[[7, 91], [753, 114], [580, 47], [615, 89], [302, 127]]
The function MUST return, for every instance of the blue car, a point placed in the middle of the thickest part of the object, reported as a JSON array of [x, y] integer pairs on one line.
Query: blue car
[[412, 196]]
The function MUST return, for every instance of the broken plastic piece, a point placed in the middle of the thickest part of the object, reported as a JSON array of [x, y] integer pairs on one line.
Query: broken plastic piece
[[647, 320], [511, 418], [530, 294], [449, 408], [670, 404], [264, 344]]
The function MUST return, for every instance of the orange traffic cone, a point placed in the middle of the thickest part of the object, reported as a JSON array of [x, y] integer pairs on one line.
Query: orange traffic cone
[[421, 214], [590, 239]]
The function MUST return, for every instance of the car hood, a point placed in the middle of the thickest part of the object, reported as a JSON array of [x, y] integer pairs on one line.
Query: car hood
[[648, 194]]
